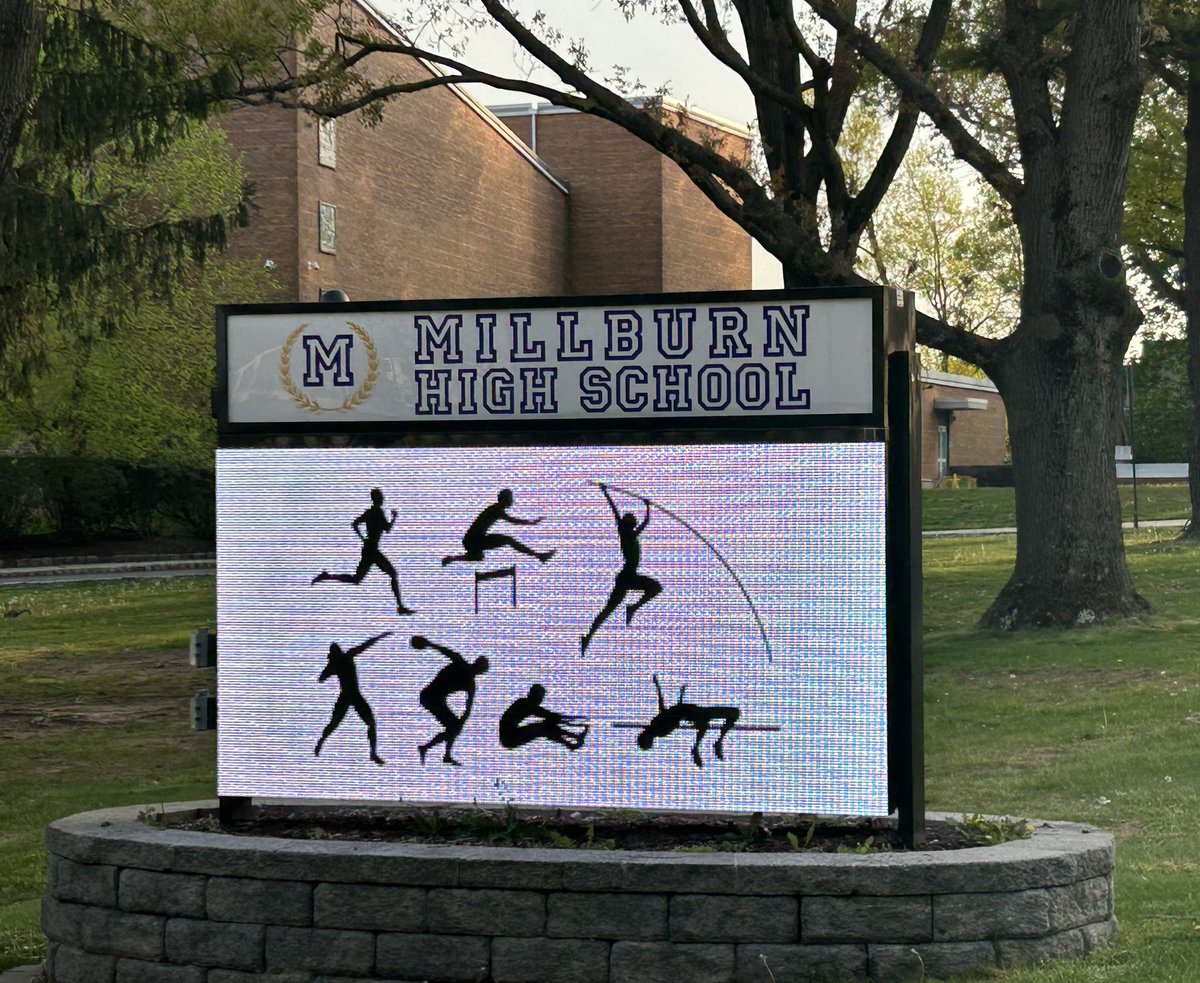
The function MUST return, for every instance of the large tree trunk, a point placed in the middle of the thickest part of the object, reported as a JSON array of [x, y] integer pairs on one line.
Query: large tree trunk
[[1070, 567], [1191, 285], [22, 24]]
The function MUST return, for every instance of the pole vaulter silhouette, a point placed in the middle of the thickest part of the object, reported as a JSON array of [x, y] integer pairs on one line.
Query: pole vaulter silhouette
[[628, 578], [651, 504]]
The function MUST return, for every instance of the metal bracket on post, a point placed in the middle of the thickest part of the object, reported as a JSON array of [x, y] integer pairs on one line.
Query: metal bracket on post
[[204, 711], [202, 651]]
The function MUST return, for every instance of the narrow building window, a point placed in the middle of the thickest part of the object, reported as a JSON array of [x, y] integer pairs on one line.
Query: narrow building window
[[327, 142], [327, 227]]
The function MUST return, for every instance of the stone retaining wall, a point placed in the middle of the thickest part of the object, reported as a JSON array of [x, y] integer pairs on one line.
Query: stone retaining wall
[[130, 903]]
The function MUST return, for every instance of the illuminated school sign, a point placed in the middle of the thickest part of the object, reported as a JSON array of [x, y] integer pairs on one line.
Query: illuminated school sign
[[666, 359], [624, 621]]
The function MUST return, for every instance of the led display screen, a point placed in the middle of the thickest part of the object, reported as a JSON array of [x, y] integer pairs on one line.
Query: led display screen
[[689, 627]]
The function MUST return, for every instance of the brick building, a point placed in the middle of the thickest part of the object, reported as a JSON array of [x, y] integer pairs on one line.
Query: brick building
[[445, 199], [963, 425]]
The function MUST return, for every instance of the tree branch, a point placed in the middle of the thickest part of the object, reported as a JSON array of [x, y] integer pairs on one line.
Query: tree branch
[[712, 36], [965, 145]]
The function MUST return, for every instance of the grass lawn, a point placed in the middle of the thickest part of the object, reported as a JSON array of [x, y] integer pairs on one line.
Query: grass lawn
[[992, 508], [1101, 726]]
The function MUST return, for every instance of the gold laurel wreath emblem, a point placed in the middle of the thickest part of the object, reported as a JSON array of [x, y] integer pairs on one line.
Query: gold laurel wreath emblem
[[309, 404]]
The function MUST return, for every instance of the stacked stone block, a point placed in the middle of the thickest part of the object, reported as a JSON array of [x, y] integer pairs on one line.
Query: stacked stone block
[[128, 903]]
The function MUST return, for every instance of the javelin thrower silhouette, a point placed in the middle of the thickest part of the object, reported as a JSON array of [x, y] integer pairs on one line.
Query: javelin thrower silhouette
[[376, 524], [627, 578], [341, 664]]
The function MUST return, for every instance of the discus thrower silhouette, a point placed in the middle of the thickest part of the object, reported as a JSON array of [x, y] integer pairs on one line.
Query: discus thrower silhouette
[[690, 716], [628, 578], [376, 524], [478, 538], [341, 664], [546, 724], [458, 677], [720, 557]]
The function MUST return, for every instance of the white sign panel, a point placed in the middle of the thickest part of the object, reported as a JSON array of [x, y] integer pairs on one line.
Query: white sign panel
[[761, 356], [646, 627]]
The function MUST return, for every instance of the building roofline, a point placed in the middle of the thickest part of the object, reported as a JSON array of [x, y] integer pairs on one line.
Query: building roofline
[[640, 102], [482, 111], [958, 381]]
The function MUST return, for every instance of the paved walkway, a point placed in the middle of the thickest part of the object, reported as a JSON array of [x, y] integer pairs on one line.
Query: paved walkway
[[1011, 531], [23, 974]]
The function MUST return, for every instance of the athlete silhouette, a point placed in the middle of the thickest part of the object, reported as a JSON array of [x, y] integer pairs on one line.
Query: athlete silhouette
[[548, 725], [627, 578], [375, 524], [458, 677], [670, 718], [477, 539], [341, 664]]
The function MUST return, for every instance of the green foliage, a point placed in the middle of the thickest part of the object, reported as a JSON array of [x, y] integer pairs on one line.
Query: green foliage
[[991, 831], [80, 499], [139, 391], [110, 194], [1162, 407]]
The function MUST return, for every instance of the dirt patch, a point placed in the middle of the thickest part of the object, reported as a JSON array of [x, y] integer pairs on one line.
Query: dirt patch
[[119, 690], [577, 830]]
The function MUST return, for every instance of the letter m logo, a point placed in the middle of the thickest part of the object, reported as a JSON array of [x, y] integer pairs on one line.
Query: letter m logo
[[334, 357]]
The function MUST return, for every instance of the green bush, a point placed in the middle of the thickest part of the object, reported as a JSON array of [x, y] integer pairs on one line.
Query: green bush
[[81, 499]]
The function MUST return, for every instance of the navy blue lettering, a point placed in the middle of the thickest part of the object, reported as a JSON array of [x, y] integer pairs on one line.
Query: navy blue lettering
[[433, 392], [788, 327], [672, 385], [498, 391], [334, 357], [728, 333], [570, 348], [752, 385], [629, 399], [675, 331], [791, 396], [443, 336], [467, 405], [485, 324], [523, 350], [537, 390], [624, 335], [713, 387], [595, 389]]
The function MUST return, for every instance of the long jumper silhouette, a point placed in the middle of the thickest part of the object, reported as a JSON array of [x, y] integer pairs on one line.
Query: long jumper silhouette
[[628, 578], [478, 538], [526, 720], [341, 664], [375, 524], [458, 677]]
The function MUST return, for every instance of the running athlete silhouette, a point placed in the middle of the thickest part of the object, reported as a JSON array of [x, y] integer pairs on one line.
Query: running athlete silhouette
[[376, 525], [341, 664], [680, 714], [477, 539], [458, 677], [550, 725], [627, 578]]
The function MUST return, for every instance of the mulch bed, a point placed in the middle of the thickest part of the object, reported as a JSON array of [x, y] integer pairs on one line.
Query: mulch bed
[[576, 830]]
